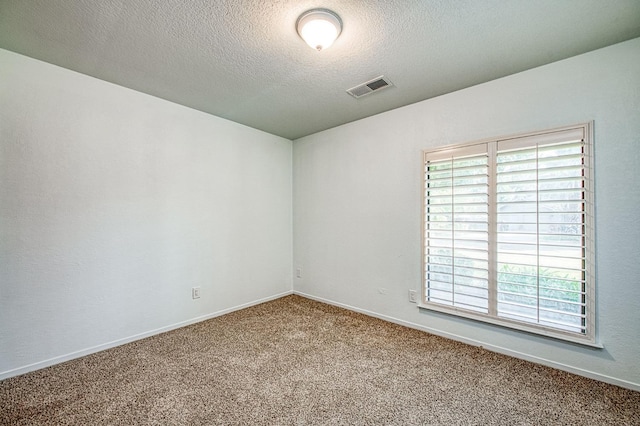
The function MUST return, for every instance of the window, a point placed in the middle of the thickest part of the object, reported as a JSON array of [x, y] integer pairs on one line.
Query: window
[[508, 232]]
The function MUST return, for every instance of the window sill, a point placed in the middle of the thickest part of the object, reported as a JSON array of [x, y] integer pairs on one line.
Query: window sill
[[515, 325]]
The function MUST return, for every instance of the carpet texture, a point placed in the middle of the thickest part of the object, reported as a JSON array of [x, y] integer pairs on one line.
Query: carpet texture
[[294, 361]]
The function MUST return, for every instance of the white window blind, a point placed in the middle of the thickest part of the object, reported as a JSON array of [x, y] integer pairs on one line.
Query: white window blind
[[457, 231], [507, 232]]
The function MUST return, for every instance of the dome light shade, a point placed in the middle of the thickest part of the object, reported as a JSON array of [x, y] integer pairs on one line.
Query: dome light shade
[[319, 28]]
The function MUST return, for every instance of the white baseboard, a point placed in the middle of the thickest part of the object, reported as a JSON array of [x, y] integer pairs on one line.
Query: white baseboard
[[505, 351], [487, 346], [77, 354]]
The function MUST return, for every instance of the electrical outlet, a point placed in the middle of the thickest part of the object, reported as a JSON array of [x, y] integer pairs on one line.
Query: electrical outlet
[[299, 272], [413, 296], [195, 292]]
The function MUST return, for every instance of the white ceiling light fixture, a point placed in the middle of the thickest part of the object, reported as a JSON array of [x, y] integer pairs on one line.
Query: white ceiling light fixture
[[319, 28]]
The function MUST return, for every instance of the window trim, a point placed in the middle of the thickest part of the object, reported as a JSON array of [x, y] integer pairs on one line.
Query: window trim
[[590, 337]]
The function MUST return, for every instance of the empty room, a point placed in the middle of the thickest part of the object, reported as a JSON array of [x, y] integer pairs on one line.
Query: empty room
[[243, 212]]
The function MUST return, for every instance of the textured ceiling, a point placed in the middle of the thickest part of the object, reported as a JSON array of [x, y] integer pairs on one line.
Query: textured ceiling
[[243, 60]]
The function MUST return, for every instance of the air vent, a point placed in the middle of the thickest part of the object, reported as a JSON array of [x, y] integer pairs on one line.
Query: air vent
[[369, 87]]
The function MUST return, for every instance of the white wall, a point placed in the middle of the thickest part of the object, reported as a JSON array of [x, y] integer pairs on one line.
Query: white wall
[[113, 204], [357, 203]]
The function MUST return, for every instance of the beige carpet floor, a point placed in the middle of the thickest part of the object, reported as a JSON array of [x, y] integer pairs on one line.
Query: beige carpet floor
[[293, 361]]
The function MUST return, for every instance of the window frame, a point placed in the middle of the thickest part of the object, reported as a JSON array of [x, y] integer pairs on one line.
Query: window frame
[[589, 337]]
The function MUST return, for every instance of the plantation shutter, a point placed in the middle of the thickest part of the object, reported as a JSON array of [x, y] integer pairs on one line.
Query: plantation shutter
[[508, 235], [456, 228], [541, 253]]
